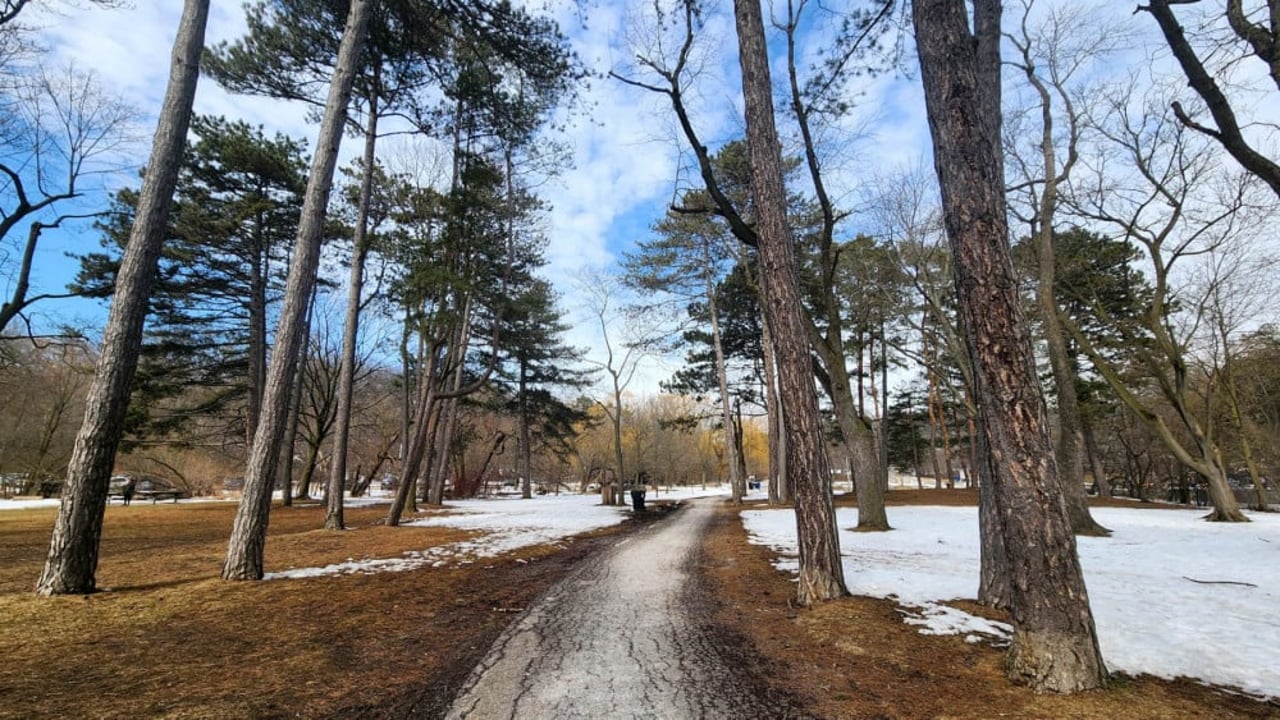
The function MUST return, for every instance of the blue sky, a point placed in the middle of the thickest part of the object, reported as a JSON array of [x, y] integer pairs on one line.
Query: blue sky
[[626, 153]]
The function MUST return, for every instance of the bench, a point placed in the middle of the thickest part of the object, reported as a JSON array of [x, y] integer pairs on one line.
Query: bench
[[157, 494], [154, 495]]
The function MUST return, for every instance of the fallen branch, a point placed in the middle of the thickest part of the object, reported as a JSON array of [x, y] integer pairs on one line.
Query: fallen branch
[[1219, 582]]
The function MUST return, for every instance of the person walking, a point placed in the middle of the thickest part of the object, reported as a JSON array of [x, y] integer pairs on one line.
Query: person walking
[[638, 488]]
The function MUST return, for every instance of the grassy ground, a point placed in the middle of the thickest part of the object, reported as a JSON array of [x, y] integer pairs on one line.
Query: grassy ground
[[171, 640]]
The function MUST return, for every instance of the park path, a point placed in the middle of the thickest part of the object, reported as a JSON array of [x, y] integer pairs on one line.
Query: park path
[[627, 635]]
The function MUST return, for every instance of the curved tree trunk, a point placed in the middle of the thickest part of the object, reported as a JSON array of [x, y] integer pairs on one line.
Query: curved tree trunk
[[821, 573], [1055, 645], [249, 530], [1067, 449], [73, 550]]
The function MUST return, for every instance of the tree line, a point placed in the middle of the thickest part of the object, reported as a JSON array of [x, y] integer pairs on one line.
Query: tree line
[[1075, 295]]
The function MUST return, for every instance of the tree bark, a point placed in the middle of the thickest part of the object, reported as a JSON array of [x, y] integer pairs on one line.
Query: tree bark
[[993, 582], [821, 572], [333, 519], [73, 550], [1054, 644], [244, 559]]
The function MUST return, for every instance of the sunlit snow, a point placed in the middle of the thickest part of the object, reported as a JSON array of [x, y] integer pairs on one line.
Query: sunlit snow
[[505, 523], [1172, 595]]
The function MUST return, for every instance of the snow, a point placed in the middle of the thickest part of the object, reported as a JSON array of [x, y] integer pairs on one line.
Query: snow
[[1151, 614], [24, 503], [502, 524]]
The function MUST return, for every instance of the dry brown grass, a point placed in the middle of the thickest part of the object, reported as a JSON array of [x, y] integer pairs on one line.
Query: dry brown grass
[[169, 639]]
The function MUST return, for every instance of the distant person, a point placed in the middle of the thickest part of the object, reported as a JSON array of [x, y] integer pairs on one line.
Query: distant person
[[637, 492], [127, 491]]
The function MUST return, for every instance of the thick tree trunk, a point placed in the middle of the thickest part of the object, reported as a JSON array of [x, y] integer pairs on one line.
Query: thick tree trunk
[[993, 582], [1054, 645], [249, 530], [821, 572], [73, 550], [858, 437], [351, 324]]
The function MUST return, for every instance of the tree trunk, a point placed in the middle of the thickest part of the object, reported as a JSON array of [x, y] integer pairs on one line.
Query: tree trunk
[[283, 469], [351, 324], [257, 348], [779, 491], [73, 549], [1054, 644], [993, 582], [249, 530], [1095, 458], [417, 443], [1067, 449], [858, 437], [821, 572], [526, 439], [733, 448]]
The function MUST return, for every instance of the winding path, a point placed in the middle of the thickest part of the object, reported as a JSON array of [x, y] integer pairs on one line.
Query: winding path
[[627, 635]]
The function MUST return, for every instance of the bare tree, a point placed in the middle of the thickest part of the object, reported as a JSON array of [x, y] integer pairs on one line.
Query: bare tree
[[642, 337], [1055, 645], [73, 550], [1238, 281], [1179, 204], [674, 63], [1259, 37], [61, 131], [1051, 57], [248, 533]]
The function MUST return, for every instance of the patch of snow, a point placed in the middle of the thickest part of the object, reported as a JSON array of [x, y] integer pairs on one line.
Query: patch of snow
[[1172, 595], [506, 523], [23, 503]]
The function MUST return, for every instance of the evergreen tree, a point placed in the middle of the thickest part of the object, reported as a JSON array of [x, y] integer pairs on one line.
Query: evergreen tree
[[538, 365], [236, 207]]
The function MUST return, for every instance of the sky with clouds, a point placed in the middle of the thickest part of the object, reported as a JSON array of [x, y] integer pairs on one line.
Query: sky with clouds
[[625, 146], [627, 162]]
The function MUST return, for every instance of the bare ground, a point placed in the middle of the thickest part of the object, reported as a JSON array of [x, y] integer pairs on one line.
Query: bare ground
[[171, 640]]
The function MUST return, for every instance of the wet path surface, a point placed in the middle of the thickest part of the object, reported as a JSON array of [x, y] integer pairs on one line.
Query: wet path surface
[[627, 635]]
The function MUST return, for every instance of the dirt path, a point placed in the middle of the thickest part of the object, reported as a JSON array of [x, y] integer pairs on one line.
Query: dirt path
[[627, 635]]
